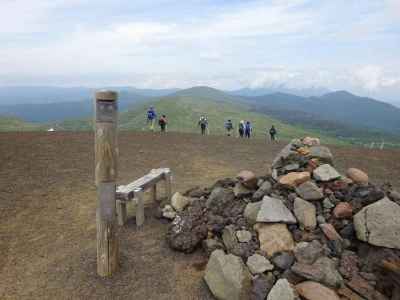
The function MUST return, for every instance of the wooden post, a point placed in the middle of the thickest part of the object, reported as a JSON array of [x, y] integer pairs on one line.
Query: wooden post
[[121, 212], [139, 195], [168, 188], [106, 170]]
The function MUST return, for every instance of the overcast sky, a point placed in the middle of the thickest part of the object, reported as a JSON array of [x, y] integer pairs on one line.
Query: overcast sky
[[229, 44]]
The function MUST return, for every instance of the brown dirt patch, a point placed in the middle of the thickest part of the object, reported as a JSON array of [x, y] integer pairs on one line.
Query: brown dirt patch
[[48, 200]]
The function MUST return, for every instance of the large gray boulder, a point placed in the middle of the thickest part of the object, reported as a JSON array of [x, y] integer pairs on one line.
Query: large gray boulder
[[325, 173], [275, 211], [282, 290], [283, 154], [219, 199], [264, 189], [379, 224], [259, 264], [251, 211], [323, 271], [179, 202], [322, 153], [309, 191], [306, 214], [227, 277]]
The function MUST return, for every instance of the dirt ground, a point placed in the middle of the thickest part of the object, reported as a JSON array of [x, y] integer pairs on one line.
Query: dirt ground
[[48, 201]]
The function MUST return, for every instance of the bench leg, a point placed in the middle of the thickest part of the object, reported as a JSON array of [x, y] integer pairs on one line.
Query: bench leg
[[139, 208], [168, 190], [121, 213], [154, 192]]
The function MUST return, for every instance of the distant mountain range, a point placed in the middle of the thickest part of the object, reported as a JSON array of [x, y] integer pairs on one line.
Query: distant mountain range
[[184, 108], [306, 92], [337, 114], [341, 107]]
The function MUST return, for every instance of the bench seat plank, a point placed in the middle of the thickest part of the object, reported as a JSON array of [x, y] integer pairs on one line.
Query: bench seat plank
[[126, 192]]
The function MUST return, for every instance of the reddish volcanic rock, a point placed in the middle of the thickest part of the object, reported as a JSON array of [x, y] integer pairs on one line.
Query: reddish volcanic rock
[[343, 210]]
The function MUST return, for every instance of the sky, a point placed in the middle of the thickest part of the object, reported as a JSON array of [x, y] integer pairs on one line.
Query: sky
[[226, 44]]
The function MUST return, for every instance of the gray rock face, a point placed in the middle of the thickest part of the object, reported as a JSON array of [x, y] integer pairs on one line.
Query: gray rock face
[[325, 173], [229, 237], [274, 211], [209, 245], [282, 290], [323, 271], [284, 153], [264, 189], [168, 212], [241, 191], [327, 204], [219, 199], [308, 253], [291, 167], [305, 213], [227, 277], [243, 236], [251, 212], [379, 224], [283, 260], [188, 229], [262, 284], [259, 264], [179, 202], [309, 191], [322, 153]]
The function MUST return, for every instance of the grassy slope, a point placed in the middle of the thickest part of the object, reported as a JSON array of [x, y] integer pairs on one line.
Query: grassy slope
[[183, 112], [15, 124]]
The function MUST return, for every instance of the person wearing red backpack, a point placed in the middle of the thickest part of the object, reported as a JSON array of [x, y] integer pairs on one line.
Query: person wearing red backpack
[[163, 123]]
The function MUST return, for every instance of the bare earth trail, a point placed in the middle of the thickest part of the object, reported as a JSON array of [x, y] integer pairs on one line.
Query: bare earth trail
[[48, 201]]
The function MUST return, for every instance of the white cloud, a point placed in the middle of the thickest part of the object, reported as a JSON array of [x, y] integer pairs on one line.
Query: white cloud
[[298, 43], [373, 78]]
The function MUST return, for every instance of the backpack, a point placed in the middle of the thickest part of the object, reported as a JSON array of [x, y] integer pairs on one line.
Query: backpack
[[150, 115], [162, 121]]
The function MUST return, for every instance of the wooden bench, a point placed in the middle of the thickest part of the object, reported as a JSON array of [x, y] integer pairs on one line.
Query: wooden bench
[[134, 192]]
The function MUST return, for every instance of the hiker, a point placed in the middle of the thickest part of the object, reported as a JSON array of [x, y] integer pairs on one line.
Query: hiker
[[228, 127], [203, 123], [241, 128], [151, 117], [163, 123], [248, 129], [272, 133]]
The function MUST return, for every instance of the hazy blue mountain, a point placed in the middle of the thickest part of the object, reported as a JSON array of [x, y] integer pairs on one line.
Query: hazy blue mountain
[[306, 92], [59, 111], [11, 95], [340, 106], [341, 113]]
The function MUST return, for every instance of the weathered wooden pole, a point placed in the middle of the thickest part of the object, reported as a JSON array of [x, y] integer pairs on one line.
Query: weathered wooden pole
[[106, 170]]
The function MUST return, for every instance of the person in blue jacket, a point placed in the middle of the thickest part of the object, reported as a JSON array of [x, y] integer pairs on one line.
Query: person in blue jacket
[[151, 117], [248, 129]]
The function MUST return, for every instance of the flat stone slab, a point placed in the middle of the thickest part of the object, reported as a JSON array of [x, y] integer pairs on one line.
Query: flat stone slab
[[379, 224], [325, 173], [275, 211]]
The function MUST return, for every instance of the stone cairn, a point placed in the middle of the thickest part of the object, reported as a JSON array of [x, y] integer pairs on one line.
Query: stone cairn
[[304, 231]]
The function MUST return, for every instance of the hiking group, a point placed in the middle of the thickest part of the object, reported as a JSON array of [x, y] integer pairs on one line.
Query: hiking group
[[245, 128]]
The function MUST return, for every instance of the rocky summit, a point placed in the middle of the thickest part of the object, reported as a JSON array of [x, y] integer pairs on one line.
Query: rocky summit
[[300, 231]]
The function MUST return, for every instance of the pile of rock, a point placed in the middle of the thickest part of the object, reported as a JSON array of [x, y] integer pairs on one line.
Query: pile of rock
[[303, 231]]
